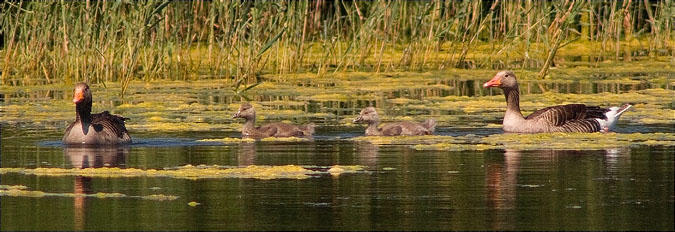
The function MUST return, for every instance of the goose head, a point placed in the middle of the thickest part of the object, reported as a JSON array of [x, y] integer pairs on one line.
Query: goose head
[[368, 115], [245, 111], [503, 80]]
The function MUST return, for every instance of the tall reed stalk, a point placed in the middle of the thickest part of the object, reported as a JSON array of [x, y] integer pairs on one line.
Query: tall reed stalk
[[121, 41]]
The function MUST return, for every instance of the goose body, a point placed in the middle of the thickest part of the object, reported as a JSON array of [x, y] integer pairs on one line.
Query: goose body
[[369, 115], [560, 118], [94, 129], [277, 129]]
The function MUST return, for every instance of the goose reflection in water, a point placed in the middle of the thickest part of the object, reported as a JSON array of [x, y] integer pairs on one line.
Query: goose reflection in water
[[96, 157], [90, 157], [501, 176]]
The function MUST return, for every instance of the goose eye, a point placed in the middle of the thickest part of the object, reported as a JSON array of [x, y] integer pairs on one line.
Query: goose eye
[[507, 75]]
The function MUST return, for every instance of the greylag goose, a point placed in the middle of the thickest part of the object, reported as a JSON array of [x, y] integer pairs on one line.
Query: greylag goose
[[560, 118], [369, 115], [277, 129], [94, 129]]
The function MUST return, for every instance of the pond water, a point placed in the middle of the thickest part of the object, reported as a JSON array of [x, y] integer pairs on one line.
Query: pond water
[[470, 183]]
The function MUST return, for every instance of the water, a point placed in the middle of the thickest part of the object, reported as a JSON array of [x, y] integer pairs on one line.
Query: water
[[403, 189], [618, 188]]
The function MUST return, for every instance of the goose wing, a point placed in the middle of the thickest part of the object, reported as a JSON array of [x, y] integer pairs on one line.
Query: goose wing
[[392, 130], [268, 130], [112, 124], [562, 114]]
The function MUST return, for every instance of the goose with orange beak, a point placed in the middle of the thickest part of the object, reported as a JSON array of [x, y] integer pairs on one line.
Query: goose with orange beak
[[560, 118], [94, 129]]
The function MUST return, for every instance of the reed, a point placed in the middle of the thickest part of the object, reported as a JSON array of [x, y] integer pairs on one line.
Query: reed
[[237, 41]]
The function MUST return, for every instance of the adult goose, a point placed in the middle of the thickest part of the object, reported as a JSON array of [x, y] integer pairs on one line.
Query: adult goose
[[369, 115], [94, 129], [560, 118], [277, 129]]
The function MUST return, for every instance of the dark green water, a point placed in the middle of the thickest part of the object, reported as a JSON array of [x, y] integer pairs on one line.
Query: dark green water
[[627, 188], [616, 189]]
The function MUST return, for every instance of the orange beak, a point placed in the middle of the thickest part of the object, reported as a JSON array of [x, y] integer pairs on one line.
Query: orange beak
[[496, 81], [79, 96]]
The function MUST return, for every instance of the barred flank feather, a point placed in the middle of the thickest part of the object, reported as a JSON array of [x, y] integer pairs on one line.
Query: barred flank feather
[[583, 125]]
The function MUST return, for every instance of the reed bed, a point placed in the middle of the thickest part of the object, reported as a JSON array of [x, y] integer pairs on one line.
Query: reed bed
[[120, 41]]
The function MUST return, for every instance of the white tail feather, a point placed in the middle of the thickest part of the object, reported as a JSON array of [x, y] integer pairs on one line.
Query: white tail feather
[[612, 116]]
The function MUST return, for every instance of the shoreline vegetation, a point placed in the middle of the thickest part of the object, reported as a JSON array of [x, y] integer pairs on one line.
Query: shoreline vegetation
[[238, 41]]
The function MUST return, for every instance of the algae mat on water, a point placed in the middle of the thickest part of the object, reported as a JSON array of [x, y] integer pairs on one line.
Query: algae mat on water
[[453, 98], [190, 172], [22, 191], [556, 141]]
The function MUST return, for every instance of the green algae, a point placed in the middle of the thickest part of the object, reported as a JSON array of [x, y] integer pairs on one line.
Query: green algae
[[189, 172], [337, 170], [229, 140], [184, 172], [556, 141], [578, 141], [160, 197], [284, 139], [250, 140], [404, 140], [21, 191], [193, 203], [207, 105]]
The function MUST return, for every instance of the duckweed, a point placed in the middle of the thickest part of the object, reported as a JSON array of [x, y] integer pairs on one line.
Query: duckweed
[[160, 197], [21, 191], [337, 170], [183, 172], [578, 141], [453, 97], [561, 141], [193, 203], [284, 139], [229, 140], [393, 140]]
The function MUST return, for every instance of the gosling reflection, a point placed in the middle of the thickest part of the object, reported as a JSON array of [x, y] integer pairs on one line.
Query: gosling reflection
[[246, 154], [367, 153], [90, 157]]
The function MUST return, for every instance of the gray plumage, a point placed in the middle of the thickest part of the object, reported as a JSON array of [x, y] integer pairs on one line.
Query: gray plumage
[[277, 129], [369, 115], [94, 129], [561, 118]]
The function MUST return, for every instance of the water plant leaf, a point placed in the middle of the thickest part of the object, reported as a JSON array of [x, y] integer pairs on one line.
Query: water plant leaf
[[270, 43], [154, 12]]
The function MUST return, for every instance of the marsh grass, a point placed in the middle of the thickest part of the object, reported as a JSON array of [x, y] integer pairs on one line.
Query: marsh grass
[[237, 41]]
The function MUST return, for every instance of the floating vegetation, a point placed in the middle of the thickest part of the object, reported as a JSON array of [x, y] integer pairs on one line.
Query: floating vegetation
[[229, 140], [578, 141], [561, 141], [453, 98], [337, 170], [394, 140], [12, 187], [21, 191], [193, 203], [284, 139], [250, 140], [160, 197], [185, 172]]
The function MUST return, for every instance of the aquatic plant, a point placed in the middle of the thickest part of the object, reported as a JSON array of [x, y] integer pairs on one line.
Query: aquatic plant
[[235, 41], [21, 191], [184, 172]]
